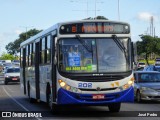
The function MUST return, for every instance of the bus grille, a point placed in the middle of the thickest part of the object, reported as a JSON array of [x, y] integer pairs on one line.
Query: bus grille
[[104, 89], [97, 78]]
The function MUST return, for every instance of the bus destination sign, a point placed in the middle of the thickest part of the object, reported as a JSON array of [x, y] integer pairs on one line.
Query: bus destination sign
[[95, 28]]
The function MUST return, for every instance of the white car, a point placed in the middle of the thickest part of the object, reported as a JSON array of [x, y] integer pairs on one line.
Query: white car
[[141, 65], [12, 75]]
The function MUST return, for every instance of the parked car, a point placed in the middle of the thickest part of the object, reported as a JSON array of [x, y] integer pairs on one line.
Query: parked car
[[152, 68], [157, 61], [12, 75], [147, 85], [16, 62], [141, 65]]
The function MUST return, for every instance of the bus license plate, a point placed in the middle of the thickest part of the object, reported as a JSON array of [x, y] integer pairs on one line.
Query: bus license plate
[[14, 78], [98, 96]]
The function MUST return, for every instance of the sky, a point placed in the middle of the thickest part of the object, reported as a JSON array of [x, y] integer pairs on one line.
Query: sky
[[19, 16]]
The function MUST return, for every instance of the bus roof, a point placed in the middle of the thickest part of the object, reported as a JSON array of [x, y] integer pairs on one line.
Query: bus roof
[[56, 26]]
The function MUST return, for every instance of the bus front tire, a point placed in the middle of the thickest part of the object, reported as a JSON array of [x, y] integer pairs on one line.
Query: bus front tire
[[138, 96], [5, 82], [53, 107], [114, 107]]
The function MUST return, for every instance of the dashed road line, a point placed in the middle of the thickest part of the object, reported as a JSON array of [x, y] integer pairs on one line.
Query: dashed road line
[[10, 90]]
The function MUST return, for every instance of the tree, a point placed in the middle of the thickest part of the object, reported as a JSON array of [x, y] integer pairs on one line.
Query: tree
[[147, 46], [13, 47], [101, 17], [98, 17], [6, 56]]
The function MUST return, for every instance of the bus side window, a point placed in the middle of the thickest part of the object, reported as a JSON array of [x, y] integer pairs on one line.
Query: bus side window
[[48, 49], [30, 54], [33, 54], [43, 51], [27, 55], [21, 57]]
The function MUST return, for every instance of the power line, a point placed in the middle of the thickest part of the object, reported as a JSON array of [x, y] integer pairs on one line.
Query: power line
[[87, 3]]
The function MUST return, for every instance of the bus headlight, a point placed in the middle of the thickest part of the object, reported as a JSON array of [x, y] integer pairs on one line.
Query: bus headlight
[[67, 87], [129, 84], [6, 76], [62, 84]]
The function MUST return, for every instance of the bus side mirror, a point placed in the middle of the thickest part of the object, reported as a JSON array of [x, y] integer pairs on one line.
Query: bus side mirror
[[132, 52], [133, 55]]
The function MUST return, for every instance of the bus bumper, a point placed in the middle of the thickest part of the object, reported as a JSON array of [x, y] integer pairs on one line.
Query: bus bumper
[[66, 97]]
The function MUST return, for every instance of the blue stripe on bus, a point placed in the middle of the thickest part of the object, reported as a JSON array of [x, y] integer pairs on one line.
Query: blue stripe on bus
[[66, 97]]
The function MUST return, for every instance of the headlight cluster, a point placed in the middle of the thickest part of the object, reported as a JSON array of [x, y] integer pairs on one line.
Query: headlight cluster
[[147, 89], [129, 84], [6, 76], [67, 87]]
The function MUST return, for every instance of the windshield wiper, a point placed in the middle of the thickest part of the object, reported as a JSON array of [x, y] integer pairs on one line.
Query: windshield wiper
[[120, 45], [84, 44]]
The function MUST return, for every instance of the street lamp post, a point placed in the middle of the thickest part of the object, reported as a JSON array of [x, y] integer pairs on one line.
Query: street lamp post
[[26, 29], [118, 11]]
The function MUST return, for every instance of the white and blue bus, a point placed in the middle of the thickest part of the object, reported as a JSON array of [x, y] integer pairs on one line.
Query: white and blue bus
[[87, 62]]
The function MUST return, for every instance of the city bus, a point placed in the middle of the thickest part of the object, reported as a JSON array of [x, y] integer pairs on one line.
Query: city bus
[[86, 62]]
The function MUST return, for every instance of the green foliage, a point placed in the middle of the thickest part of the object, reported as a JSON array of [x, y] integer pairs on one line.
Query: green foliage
[[147, 46], [13, 47], [101, 17], [151, 62], [98, 17], [6, 56]]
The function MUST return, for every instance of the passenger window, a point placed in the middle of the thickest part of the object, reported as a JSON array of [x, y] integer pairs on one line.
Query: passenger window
[[48, 50]]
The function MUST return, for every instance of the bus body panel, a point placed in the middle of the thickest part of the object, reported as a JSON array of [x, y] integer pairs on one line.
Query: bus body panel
[[30, 81], [66, 97], [45, 77], [88, 89], [93, 85]]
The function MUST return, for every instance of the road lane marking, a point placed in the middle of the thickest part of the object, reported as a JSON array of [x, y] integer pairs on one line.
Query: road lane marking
[[1, 82], [9, 89], [18, 102]]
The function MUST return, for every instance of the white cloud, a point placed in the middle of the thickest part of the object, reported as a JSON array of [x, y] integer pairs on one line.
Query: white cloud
[[146, 16], [5, 38], [18, 32]]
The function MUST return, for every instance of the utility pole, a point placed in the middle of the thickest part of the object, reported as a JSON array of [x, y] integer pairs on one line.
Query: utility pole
[[151, 26], [118, 11]]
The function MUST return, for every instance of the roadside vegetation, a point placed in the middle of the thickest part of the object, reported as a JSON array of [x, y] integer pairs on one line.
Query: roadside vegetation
[[147, 46]]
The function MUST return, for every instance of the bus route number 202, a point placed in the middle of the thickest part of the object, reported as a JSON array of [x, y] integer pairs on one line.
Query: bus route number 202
[[84, 85]]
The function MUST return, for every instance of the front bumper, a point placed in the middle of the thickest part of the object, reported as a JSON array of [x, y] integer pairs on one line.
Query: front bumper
[[66, 97], [150, 96], [15, 79]]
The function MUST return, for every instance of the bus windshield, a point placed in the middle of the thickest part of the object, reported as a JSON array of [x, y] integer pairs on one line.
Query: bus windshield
[[90, 55]]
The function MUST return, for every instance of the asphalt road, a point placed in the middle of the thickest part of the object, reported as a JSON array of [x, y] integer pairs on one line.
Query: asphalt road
[[13, 100]]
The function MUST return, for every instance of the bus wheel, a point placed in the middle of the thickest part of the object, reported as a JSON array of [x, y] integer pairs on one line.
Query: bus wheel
[[138, 96], [5, 82], [53, 107], [115, 107]]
